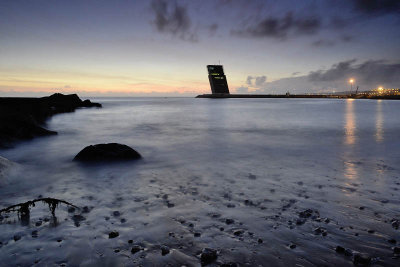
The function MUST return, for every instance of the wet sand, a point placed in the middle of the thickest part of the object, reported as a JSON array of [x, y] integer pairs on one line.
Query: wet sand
[[291, 205]]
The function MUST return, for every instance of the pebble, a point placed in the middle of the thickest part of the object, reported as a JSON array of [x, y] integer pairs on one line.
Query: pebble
[[197, 234], [71, 209], [113, 234], [17, 237], [130, 241], [229, 221], [395, 224], [34, 233], [230, 264], [208, 255], [396, 250], [348, 252], [164, 250], [86, 209], [361, 259], [260, 241], [292, 246], [38, 223], [340, 249], [238, 232], [392, 241], [252, 176], [135, 249], [116, 213]]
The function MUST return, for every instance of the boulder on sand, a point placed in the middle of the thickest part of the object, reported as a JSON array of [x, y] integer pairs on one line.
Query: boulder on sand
[[107, 152]]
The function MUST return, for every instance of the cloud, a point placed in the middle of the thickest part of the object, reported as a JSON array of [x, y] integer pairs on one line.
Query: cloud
[[249, 80], [258, 80], [368, 75], [242, 90], [323, 43], [372, 71], [281, 28], [212, 29], [377, 7], [171, 18]]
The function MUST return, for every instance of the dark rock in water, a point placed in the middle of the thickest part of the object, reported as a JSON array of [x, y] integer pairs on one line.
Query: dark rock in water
[[348, 252], [135, 249], [17, 237], [340, 249], [230, 264], [260, 241], [197, 234], [252, 176], [35, 234], [208, 255], [77, 219], [300, 221], [71, 209], [292, 246], [38, 223], [320, 230], [361, 259], [395, 223], [130, 241], [238, 232], [392, 241], [85, 209], [116, 213], [164, 250], [107, 152], [113, 234], [396, 250], [229, 221]]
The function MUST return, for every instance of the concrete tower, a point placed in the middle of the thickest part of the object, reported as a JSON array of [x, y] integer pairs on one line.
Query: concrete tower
[[218, 82]]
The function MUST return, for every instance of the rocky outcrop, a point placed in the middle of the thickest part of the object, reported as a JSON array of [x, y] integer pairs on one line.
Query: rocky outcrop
[[23, 118], [107, 152]]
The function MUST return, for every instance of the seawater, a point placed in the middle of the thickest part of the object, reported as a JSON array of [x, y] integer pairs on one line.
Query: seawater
[[260, 162]]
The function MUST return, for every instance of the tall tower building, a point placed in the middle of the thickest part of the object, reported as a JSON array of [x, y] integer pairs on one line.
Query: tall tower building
[[218, 82]]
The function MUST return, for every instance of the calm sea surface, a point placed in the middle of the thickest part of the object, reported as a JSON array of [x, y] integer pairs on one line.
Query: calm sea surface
[[260, 162]]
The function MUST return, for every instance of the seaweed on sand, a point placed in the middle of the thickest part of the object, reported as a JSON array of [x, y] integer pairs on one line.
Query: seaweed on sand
[[23, 209]]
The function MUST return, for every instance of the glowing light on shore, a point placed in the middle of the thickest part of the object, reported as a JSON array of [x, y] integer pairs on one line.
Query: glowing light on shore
[[351, 81]]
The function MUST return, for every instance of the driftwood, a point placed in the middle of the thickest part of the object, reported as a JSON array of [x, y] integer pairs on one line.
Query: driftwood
[[23, 209]]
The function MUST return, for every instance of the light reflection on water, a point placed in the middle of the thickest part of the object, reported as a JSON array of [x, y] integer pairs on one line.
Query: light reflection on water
[[350, 168], [379, 122], [350, 124]]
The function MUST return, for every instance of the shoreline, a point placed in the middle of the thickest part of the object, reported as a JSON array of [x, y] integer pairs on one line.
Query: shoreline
[[389, 97]]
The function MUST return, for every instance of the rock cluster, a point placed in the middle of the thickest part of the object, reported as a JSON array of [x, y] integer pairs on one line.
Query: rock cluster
[[23, 118]]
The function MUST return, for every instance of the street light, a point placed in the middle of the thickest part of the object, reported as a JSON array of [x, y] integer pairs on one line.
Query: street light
[[351, 84]]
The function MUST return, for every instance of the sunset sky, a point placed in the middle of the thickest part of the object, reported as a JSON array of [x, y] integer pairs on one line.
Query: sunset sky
[[162, 47]]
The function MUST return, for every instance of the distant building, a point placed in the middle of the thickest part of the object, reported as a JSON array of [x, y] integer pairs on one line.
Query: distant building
[[217, 78]]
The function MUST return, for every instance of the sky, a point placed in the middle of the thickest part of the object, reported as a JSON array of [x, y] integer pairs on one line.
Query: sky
[[161, 48]]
